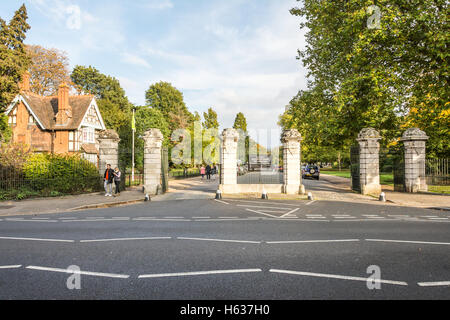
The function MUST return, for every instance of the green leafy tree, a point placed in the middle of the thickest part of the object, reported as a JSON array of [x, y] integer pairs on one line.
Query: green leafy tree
[[169, 100], [14, 61], [210, 119], [240, 122]]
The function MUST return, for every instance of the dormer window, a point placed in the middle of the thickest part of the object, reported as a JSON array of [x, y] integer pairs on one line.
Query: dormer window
[[31, 119]]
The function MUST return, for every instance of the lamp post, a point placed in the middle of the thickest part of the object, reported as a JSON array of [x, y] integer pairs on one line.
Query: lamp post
[[132, 151]]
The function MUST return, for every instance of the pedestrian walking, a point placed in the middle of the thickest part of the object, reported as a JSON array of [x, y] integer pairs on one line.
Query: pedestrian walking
[[117, 175], [108, 177], [202, 171], [208, 172]]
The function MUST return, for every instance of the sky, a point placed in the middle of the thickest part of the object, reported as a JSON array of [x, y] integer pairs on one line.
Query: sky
[[232, 55]]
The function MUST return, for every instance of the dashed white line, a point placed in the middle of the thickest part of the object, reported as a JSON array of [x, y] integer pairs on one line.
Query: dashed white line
[[265, 202], [127, 239], [87, 273], [197, 273], [35, 239], [438, 218], [23, 220], [335, 276], [201, 217], [11, 267], [408, 241], [312, 241], [311, 202], [228, 217], [218, 240], [434, 284]]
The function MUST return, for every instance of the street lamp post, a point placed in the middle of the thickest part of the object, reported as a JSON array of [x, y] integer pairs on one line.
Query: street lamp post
[[132, 150]]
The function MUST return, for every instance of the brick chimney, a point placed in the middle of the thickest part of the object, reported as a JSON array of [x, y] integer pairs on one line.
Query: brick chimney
[[64, 109], [24, 85]]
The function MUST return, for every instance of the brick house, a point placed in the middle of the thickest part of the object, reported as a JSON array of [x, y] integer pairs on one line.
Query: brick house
[[56, 124]]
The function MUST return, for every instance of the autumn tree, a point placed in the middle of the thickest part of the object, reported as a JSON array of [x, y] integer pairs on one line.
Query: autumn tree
[[210, 119], [13, 62], [49, 68]]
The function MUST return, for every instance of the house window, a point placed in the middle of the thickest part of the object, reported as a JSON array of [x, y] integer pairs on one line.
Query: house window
[[71, 141], [88, 135], [13, 117], [30, 119]]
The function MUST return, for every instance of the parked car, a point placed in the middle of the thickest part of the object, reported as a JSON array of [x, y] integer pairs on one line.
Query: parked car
[[311, 171]]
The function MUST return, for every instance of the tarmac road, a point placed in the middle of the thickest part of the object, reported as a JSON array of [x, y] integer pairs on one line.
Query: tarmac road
[[229, 249]]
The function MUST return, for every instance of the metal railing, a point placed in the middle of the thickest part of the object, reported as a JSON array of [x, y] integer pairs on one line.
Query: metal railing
[[437, 172]]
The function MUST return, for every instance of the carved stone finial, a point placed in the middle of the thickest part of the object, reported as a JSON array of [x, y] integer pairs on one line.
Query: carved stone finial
[[230, 133], [108, 134], [291, 134], [369, 133], [153, 133], [414, 134]]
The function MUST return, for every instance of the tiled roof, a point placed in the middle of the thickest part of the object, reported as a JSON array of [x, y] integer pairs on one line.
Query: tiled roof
[[46, 108], [89, 148]]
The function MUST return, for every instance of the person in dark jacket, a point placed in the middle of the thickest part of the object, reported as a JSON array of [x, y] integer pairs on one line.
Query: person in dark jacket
[[108, 177], [208, 172], [117, 175]]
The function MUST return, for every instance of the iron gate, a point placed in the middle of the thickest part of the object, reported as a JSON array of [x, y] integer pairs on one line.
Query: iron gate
[[398, 169], [164, 169], [354, 168]]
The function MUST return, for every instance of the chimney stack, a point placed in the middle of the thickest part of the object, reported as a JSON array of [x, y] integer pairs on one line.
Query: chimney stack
[[24, 85], [64, 109]]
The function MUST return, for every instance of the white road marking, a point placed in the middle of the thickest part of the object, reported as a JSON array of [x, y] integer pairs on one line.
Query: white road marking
[[370, 215], [438, 218], [311, 202], [11, 267], [158, 219], [126, 239], [40, 218], [245, 205], [428, 216], [335, 276], [375, 217], [222, 220], [398, 215], [35, 239], [94, 220], [312, 241], [313, 215], [290, 212], [23, 220], [344, 217], [221, 201], [316, 217], [197, 273], [434, 284], [266, 202], [275, 211], [340, 215], [201, 217], [228, 217], [87, 273], [67, 218], [408, 241], [218, 240], [266, 214], [173, 217]]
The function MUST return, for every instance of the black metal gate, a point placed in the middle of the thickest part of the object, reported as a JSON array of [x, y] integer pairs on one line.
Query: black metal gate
[[354, 168], [164, 169], [398, 169]]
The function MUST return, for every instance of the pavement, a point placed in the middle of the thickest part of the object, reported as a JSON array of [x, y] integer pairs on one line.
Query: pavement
[[228, 249], [327, 188]]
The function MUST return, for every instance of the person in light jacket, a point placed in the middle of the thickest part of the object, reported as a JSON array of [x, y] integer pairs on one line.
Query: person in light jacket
[[117, 175]]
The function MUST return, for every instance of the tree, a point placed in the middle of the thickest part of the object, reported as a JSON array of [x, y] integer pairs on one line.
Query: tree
[[240, 122], [210, 118], [13, 61], [375, 77], [49, 68], [169, 100]]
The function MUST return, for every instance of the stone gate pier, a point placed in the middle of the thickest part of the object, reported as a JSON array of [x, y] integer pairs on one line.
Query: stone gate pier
[[414, 141], [108, 150], [153, 139], [369, 167]]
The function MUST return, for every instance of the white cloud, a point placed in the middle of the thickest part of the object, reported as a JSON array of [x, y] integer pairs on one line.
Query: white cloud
[[135, 60]]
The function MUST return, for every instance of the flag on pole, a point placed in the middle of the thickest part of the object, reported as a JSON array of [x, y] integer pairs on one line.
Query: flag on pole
[[133, 123]]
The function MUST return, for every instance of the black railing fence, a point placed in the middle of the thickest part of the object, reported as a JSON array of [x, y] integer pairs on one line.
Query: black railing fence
[[437, 172]]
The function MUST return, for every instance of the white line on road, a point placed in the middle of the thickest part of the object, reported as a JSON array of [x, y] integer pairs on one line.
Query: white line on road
[[228, 217], [312, 241], [35, 239], [201, 217], [218, 240], [245, 205], [292, 211], [40, 218], [221, 201], [87, 273], [95, 220], [22, 220], [266, 202], [311, 202], [408, 241], [344, 217], [335, 276], [126, 239], [67, 218], [434, 284], [266, 214], [370, 215], [398, 215], [438, 218], [158, 219], [316, 217], [197, 273], [173, 217], [11, 267], [428, 216]]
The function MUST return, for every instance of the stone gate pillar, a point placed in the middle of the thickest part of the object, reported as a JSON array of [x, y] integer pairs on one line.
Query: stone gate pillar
[[414, 141], [153, 139], [292, 161], [228, 160], [108, 150], [369, 167]]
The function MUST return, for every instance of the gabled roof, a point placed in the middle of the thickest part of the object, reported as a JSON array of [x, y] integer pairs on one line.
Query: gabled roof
[[44, 109]]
